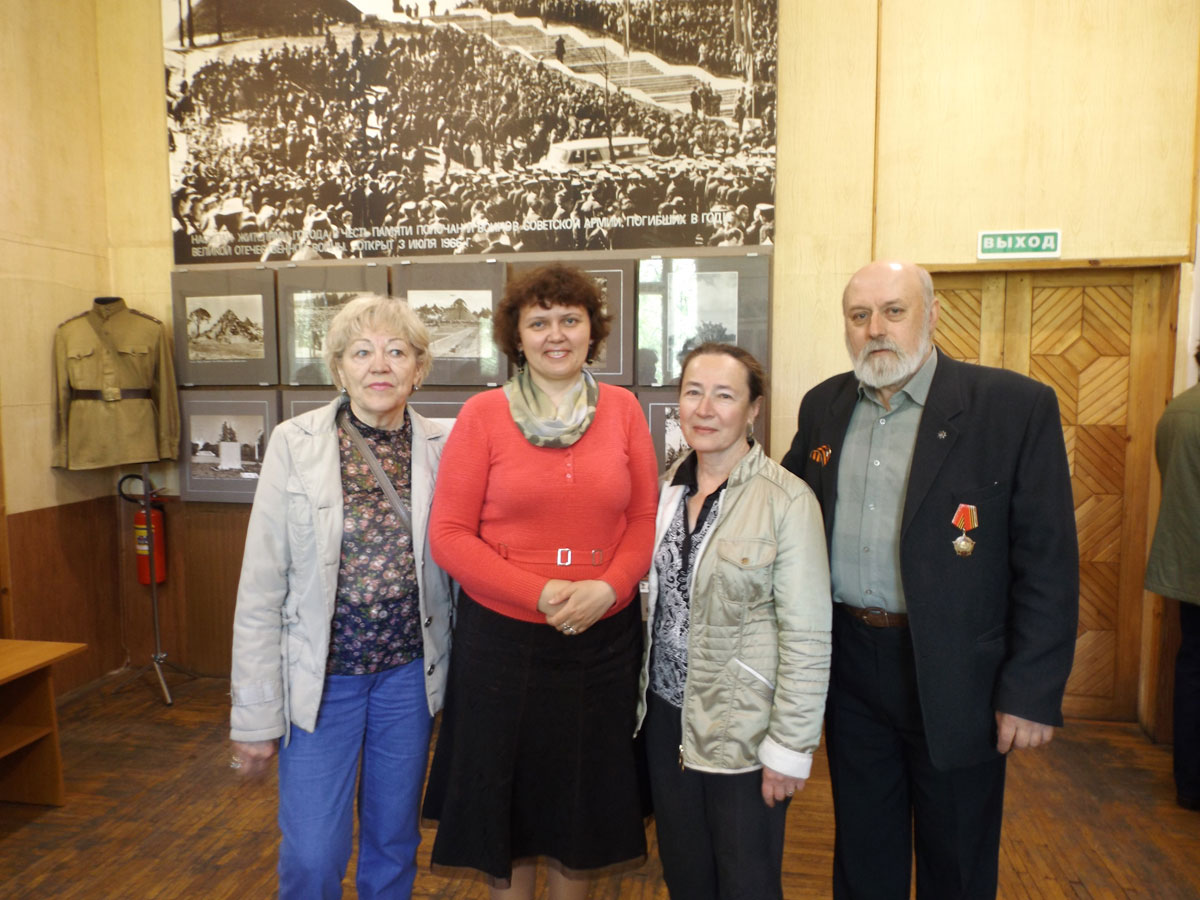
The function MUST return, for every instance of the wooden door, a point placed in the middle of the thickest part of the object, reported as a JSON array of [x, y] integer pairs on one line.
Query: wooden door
[[1102, 339]]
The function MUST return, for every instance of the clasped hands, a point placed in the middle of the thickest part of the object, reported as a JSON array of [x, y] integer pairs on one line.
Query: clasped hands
[[574, 606]]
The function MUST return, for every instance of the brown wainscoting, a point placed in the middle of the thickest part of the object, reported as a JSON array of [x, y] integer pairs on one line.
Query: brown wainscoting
[[65, 584], [213, 537]]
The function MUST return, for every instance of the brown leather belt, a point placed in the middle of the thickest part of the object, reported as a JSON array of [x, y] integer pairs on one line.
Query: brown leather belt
[[126, 394], [876, 617]]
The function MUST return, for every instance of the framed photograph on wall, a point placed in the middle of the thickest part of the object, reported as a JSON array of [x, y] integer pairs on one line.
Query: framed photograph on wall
[[457, 302], [443, 406], [294, 402], [615, 277], [661, 408], [685, 301], [225, 332], [225, 436], [309, 298]]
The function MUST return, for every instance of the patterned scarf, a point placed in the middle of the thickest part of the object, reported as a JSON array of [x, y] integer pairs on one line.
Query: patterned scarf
[[536, 416]]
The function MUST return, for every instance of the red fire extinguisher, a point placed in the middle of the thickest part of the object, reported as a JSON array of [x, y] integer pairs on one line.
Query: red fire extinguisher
[[142, 536], [142, 542]]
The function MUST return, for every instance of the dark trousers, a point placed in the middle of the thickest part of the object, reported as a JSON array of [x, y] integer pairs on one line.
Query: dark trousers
[[1187, 708], [717, 839], [888, 798]]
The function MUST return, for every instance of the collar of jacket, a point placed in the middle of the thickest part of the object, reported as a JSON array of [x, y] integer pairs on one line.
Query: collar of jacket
[[324, 419], [745, 469]]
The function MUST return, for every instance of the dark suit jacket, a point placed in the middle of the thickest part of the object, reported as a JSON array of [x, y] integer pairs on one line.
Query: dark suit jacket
[[994, 630]]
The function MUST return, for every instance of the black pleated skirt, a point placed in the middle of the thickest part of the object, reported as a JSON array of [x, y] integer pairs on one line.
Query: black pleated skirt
[[535, 754]]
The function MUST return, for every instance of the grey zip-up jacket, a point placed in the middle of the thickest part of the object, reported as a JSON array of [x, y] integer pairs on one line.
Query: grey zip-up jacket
[[289, 577], [758, 641]]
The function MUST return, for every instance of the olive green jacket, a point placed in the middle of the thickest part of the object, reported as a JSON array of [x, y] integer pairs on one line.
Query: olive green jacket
[[758, 641], [1173, 569], [120, 359]]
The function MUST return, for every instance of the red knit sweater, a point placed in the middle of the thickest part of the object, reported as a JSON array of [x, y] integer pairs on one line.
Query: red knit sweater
[[497, 493]]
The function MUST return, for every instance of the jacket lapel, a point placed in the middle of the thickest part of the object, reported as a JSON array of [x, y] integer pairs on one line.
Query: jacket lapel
[[936, 435], [831, 433]]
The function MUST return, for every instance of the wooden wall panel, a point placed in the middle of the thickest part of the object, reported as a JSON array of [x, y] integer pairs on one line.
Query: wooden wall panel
[[1159, 617], [214, 535], [65, 584]]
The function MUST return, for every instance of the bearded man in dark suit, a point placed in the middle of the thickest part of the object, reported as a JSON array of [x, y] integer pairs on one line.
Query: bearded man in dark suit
[[950, 522]]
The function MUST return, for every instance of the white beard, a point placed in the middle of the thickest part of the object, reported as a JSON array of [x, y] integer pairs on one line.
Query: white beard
[[891, 369]]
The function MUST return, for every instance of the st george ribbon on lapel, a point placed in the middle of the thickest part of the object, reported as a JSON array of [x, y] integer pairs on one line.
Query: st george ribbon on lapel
[[821, 454]]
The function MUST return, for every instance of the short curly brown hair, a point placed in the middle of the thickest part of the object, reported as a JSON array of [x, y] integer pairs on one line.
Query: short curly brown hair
[[547, 286]]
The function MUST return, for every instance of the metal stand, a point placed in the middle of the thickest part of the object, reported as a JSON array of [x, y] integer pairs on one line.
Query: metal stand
[[159, 657]]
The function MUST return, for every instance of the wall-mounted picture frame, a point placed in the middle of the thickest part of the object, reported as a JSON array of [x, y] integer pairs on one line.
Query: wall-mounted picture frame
[[225, 327], [225, 436], [294, 401], [616, 278], [685, 301], [440, 405], [309, 298], [457, 302], [660, 406]]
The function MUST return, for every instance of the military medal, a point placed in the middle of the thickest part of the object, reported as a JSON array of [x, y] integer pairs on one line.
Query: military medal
[[966, 517]]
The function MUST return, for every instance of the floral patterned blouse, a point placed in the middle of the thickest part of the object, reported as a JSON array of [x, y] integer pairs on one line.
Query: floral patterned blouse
[[377, 615]]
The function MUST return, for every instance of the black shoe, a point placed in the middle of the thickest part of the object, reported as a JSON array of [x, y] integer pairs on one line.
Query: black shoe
[[1188, 802]]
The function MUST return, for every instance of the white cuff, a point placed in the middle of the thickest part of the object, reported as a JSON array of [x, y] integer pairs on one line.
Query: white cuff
[[794, 764]]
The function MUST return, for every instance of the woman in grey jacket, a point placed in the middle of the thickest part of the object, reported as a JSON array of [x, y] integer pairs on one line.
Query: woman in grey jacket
[[342, 629], [737, 651]]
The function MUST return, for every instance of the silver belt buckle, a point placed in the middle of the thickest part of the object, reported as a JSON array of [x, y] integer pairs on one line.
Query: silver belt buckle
[[564, 556]]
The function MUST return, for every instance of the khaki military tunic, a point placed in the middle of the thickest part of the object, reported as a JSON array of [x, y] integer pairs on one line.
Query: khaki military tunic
[[115, 399]]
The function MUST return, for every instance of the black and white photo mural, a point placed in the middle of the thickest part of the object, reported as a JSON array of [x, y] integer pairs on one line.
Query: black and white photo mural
[[330, 129]]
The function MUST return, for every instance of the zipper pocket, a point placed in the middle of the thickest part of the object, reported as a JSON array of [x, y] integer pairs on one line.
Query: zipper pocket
[[754, 673]]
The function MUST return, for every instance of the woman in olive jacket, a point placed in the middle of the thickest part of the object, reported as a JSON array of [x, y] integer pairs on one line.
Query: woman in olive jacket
[[737, 651]]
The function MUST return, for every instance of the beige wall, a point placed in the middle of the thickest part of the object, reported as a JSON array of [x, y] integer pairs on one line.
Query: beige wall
[[84, 210], [1072, 115], [906, 128], [1079, 115], [823, 192], [53, 230]]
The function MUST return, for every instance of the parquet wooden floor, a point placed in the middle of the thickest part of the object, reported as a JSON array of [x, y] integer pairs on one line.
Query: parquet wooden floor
[[153, 811]]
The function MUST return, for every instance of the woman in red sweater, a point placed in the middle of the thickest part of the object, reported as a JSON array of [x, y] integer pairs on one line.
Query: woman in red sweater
[[544, 514]]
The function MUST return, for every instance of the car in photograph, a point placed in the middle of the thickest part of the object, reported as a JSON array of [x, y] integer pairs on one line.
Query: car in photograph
[[580, 153]]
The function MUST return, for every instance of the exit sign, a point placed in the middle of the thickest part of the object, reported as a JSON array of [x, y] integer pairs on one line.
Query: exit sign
[[1045, 244]]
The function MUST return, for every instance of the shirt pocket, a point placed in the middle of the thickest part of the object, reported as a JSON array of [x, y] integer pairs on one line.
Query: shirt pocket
[[83, 368], [136, 357], [744, 568]]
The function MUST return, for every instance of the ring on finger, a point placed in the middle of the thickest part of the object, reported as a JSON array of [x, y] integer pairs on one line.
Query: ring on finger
[[569, 629]]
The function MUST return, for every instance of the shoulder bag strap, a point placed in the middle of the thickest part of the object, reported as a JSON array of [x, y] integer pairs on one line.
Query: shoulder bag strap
[[343, 419]]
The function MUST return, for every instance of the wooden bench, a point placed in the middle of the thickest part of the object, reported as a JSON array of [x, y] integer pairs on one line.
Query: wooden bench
[[30, 762]]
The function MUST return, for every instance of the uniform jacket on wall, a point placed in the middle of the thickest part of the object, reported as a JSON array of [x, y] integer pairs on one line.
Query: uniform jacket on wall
[[115, 399]]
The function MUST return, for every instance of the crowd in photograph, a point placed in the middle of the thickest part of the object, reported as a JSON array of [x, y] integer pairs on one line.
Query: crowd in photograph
[[688, 32], [348, 147]]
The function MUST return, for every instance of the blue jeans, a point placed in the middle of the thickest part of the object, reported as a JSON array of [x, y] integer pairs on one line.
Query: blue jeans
[[384, 720]]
